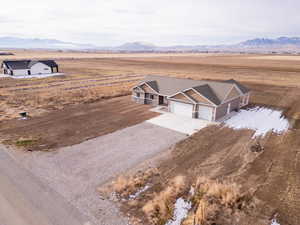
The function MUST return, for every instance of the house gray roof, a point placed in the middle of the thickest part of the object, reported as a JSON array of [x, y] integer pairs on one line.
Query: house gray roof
[[153, 85], [241, 87], [17, 64], [215, 91], [26, 64], [207, 92]]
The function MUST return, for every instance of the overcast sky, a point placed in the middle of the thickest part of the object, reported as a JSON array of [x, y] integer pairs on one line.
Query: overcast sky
[[161, 22]]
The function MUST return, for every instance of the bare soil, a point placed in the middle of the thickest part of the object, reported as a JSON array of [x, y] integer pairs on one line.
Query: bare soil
[[271, 176], [75, 124], [226, 154]]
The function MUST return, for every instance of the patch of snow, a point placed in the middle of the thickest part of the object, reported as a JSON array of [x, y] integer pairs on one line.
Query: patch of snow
[[274, 222], [31, 76], [182, 208], [260, 119], [139, 192], [192, 191]]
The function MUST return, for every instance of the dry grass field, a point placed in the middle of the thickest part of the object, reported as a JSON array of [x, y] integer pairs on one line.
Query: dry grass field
[[93, 76], [272, 175]]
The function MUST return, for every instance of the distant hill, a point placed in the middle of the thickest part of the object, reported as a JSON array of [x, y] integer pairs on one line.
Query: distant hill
[[269, 42], [261, 45], [137, 46], [281, 44], [14, 42]]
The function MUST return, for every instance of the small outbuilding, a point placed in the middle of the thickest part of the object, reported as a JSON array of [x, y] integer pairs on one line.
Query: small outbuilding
[[29, 67]]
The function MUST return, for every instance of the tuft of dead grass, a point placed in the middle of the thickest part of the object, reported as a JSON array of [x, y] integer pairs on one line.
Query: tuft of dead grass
[[161, 207], [124, 186], [211, 198]]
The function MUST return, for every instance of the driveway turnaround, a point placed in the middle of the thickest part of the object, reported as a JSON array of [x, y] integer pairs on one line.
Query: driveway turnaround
[[178, 123], [76, 171]]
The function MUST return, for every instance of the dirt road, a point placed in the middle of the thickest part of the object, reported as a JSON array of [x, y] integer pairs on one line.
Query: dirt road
[[24, 200]]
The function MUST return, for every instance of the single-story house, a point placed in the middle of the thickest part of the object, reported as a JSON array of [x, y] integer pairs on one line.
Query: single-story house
[[29, 67], [208, 100]]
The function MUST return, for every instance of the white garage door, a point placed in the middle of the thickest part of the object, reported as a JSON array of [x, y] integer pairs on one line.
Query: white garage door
[[182, 109], [205, 113]]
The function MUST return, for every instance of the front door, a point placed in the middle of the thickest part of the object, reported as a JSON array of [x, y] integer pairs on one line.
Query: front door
[[160, 100]]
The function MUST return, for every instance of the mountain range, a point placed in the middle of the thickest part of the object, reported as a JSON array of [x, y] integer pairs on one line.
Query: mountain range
[[281, 44], [36, 43]]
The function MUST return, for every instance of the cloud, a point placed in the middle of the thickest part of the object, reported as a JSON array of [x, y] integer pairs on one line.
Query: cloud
[[138, 12], [113, 22], [7, 20]]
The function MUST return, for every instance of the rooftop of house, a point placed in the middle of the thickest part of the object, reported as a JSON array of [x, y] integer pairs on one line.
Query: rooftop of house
[[27, 64], [215, 91]]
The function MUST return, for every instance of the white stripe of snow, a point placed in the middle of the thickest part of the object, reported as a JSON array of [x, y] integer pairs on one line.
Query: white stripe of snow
[[182, 208], [260, 119], [133, 196], [31, 76], [274, 222]]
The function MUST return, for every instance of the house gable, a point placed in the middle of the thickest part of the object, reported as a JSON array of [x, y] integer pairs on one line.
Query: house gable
[[197, 97], [138, 89], [147, 89], [234, 93], [181, 97]]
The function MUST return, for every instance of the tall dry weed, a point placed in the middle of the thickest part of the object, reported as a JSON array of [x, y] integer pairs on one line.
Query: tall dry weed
[[126, 185], [160, 208]]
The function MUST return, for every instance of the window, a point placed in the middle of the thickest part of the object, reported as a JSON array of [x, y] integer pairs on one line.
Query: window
[[146, 95], [138, 94], [152, 97]]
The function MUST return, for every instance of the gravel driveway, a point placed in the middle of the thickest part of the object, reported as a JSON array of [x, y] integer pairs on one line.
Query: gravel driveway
[[76, 171]]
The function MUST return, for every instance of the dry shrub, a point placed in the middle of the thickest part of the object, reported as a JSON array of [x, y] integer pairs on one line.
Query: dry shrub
[[203, 212], [123, 186], [212, 198], [227, 193], [160, 208]]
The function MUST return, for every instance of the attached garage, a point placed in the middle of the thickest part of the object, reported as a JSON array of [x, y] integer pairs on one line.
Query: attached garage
[[180, 108], [205, 112]]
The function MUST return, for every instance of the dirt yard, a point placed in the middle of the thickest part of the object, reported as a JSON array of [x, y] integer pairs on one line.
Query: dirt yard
[[75, 124]]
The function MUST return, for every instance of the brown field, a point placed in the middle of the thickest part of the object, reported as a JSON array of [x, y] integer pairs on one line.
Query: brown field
[[91, 79], [75, 124], [272, 175]]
